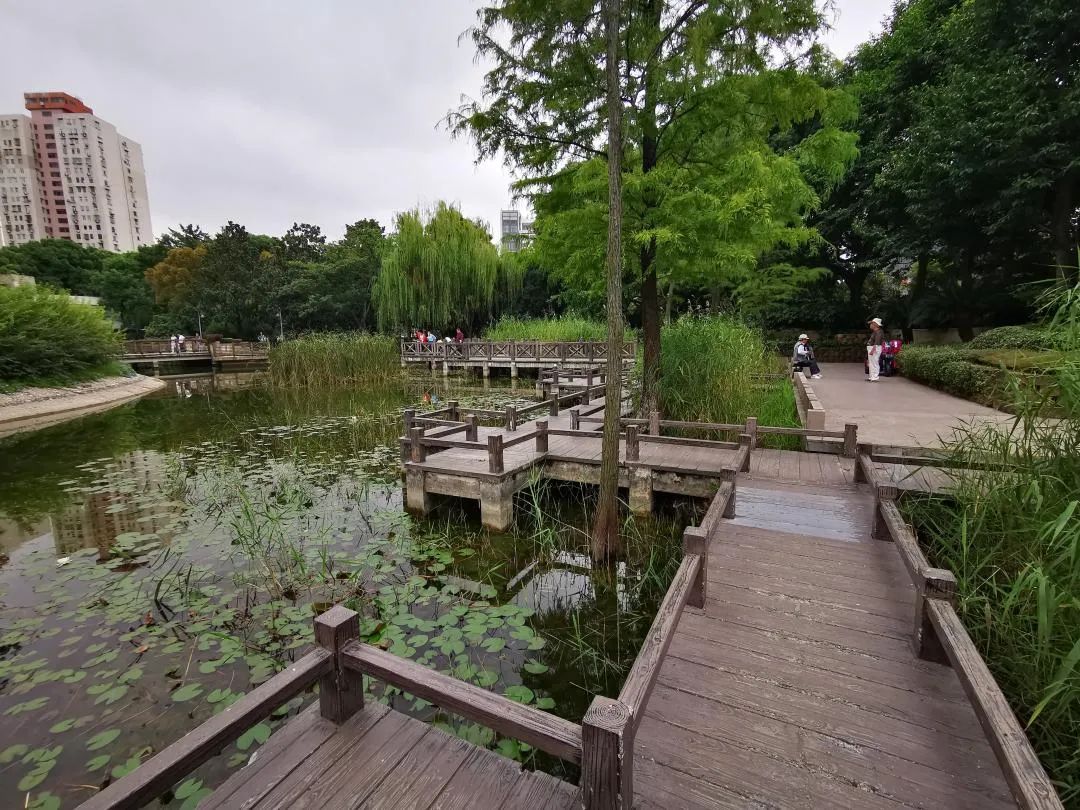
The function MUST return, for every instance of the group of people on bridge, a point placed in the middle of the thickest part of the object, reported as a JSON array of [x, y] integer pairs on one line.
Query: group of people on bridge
[[429, 336]]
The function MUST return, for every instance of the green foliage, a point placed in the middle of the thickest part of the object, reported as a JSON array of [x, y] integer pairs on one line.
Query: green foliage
[[564, 328], [56, 262], [1011, 535], [954, 371], [329, 359], [1016, 337], [712, 370], [440, 271], [45, 333]]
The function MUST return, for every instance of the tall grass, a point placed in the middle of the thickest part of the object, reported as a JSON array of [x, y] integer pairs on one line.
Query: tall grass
[[1013, 540], [46, 335], [334, 358], [564, 328], [714, 369]]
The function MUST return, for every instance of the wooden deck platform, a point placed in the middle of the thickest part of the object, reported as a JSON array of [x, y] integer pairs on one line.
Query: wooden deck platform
[[796, 685], [380, 758]]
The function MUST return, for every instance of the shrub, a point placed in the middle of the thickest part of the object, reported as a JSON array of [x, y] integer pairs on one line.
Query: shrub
[[335, 358], [1016, 337], [46, 335], [954, 371]]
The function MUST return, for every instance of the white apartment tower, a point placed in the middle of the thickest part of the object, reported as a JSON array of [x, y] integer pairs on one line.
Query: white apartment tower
[[88, 182], [21, 212]]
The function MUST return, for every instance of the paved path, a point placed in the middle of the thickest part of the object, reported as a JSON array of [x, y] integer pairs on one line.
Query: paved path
[[894, 410], [40, 407]]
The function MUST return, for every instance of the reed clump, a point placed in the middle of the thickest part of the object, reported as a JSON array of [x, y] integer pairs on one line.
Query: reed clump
[[718, 369], [334, 359], [1011, 534], [563, 329]]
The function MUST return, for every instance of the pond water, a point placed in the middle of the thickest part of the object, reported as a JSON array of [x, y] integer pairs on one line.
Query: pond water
[[159, 560]]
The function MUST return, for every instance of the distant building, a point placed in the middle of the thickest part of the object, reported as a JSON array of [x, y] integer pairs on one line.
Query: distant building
[[67, 174], [516, 232]]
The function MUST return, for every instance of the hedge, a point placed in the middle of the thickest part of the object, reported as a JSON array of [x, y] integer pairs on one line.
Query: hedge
[[44, 334], [954, 371], [1016, 337]]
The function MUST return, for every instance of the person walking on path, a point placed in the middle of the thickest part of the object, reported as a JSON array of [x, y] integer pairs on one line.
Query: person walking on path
[[180, 343], [172, 344], [802, 356], [873, 349]]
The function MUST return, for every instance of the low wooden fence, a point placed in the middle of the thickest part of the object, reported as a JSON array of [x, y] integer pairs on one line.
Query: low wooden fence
[[159, 348], [510, 351], [939, 635]]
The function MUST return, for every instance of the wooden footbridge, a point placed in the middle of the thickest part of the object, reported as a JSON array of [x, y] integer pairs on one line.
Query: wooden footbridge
[[806, 654], [484, 355], [157, 354]]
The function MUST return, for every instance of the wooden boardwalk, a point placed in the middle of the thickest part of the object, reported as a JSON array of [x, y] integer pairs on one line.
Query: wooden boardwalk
[[394, 762], [796, 685], [805, 655]]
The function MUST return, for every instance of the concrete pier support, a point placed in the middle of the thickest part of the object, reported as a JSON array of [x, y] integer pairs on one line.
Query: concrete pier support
[[513, 371], [417, 501], [487, 370], [446, 369], [497, 505], [641, 490]]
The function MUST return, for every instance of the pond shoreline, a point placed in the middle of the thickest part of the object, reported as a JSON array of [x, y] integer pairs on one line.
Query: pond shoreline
[[36, 408]]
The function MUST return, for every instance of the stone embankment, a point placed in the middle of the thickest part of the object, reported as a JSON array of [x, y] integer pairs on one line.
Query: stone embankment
[[34, 408]]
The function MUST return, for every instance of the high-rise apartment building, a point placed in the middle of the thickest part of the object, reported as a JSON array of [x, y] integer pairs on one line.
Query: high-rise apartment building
[[68, 174], [516, 232]]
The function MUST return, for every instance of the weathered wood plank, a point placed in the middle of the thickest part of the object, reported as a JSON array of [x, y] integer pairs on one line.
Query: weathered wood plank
[[545, 731], [483, 780], [423, 773], [1027, 779], [160, 772]]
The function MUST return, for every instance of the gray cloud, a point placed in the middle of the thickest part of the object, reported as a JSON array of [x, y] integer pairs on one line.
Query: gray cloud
[[269, 112]]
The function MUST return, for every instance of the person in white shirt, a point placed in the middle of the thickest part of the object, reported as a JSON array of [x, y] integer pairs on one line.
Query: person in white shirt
[[803, 357]]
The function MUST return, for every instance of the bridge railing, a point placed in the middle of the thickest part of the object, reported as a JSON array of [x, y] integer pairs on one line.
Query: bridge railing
[[938, 633], [501, 351]]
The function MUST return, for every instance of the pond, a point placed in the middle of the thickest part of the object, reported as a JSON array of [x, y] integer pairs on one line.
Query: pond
[[159, 560]]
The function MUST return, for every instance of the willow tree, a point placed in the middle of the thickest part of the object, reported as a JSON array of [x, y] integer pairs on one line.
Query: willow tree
[[683, 81], [440, 270]]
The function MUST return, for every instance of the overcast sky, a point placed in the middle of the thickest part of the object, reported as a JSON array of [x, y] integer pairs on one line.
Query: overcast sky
[[267, 112]]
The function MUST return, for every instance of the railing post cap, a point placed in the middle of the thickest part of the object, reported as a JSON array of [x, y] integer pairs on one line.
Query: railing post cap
[[335, 618], [606, 713]]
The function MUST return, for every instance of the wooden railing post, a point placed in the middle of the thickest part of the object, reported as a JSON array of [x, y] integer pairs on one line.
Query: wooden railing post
[[633, 444], [470, 428], [554, 404], [607, 756], [744, 450], [851, 440], [654, 423], [728, 475], [883, 492], [510, 420], [937, 583], [586, 396], [541, 437], [417, 452], [859, 475], [341, 691], [495, 453], [575, 419], [409, 416], [695, 540], [751, 430], [452, 408]]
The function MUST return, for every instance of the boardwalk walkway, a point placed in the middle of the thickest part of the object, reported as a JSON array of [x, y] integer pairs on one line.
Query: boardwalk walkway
[[796, 685]]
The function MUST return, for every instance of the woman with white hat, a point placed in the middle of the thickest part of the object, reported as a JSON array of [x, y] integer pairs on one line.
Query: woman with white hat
[[873, 349], [802, 356]]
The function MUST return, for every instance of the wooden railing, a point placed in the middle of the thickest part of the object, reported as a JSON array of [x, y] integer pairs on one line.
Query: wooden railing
[[939, 635], [233, 350], [162, 771], [533, 351]]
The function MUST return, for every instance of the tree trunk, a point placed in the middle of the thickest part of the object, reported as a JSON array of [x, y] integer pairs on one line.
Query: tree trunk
[[918, 287], [855, 282], [652, 13], [964, 315], [1065, 248], [605, 532]]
